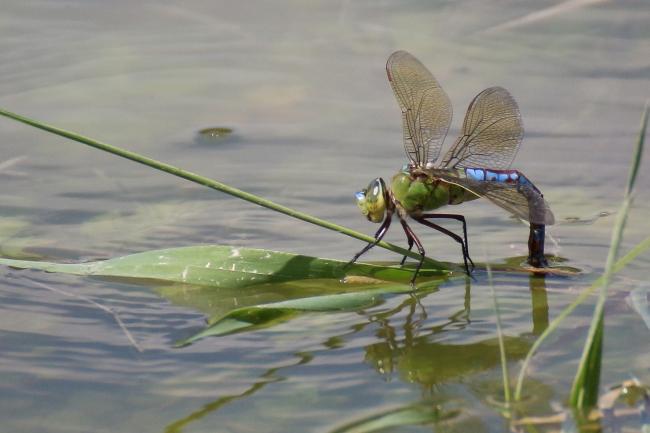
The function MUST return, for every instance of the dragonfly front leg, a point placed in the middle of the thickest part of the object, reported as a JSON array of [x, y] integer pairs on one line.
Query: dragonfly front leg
[[412, 238], [463, 242], [378, 237]]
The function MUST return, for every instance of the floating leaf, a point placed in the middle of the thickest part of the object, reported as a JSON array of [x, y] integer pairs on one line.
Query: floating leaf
[[221, 266]]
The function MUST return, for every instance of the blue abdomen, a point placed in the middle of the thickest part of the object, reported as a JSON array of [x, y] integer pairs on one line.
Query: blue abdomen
[[483, 174], [514, 177]]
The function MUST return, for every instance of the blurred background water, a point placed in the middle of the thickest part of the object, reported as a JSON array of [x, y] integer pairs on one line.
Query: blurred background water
[[303, 86]]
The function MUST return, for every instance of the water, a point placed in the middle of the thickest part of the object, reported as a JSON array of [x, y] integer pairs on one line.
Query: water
[[304, 90]]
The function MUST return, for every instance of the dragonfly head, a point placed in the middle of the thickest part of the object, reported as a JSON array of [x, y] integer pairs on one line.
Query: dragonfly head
[[372, 200]]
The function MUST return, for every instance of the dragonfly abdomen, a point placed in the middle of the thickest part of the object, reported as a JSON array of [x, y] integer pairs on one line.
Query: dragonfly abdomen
[[502, 176], [507, 176]]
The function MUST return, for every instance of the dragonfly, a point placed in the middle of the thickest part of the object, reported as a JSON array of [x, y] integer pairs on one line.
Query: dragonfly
[[476, 166]]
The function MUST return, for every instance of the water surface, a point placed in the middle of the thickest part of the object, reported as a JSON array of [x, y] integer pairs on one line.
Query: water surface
[[303, 87]]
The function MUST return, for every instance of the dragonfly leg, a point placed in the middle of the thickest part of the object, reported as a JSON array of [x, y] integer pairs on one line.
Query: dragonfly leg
[[409, 238], [422, 220], [378, 236], [460, 218], [409, 233]]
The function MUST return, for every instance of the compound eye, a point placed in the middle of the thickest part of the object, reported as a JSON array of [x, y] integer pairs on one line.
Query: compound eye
[[373, 205], [375, 190]]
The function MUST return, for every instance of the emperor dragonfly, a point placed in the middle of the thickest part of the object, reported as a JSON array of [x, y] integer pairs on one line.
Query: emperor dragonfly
[[477, 165]]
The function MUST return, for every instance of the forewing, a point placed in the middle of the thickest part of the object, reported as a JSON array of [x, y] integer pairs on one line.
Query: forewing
[[492, 132], [524, 201], [426, 109]]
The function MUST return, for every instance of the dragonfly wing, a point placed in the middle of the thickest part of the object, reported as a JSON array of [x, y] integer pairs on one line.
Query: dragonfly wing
[[523, 200], [426, 109], [492, 132]]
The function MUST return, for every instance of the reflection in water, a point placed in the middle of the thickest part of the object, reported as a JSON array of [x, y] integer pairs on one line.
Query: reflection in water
[[269, 376], [420, 358], [539, 303], [418, 355]]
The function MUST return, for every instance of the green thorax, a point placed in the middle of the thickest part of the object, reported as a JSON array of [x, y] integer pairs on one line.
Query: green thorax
[[417, 190]]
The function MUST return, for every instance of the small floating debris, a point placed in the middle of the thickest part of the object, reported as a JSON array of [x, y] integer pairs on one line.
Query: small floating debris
[[216, 132], [216, 135]]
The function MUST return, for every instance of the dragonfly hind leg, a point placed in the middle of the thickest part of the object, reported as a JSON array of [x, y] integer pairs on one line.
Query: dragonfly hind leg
[[462, 241]]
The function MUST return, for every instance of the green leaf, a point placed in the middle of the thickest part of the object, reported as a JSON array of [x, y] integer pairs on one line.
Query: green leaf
[[221, 266]]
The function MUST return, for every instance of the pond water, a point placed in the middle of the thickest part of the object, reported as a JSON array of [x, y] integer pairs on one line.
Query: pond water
[[302, 86]]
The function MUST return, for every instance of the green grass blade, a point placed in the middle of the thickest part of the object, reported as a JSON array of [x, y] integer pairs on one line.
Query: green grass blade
[[617, 267], [584, 392], [219, 186]]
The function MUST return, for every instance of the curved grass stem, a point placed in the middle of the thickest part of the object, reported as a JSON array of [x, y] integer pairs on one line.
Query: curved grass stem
[[210, 183]]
